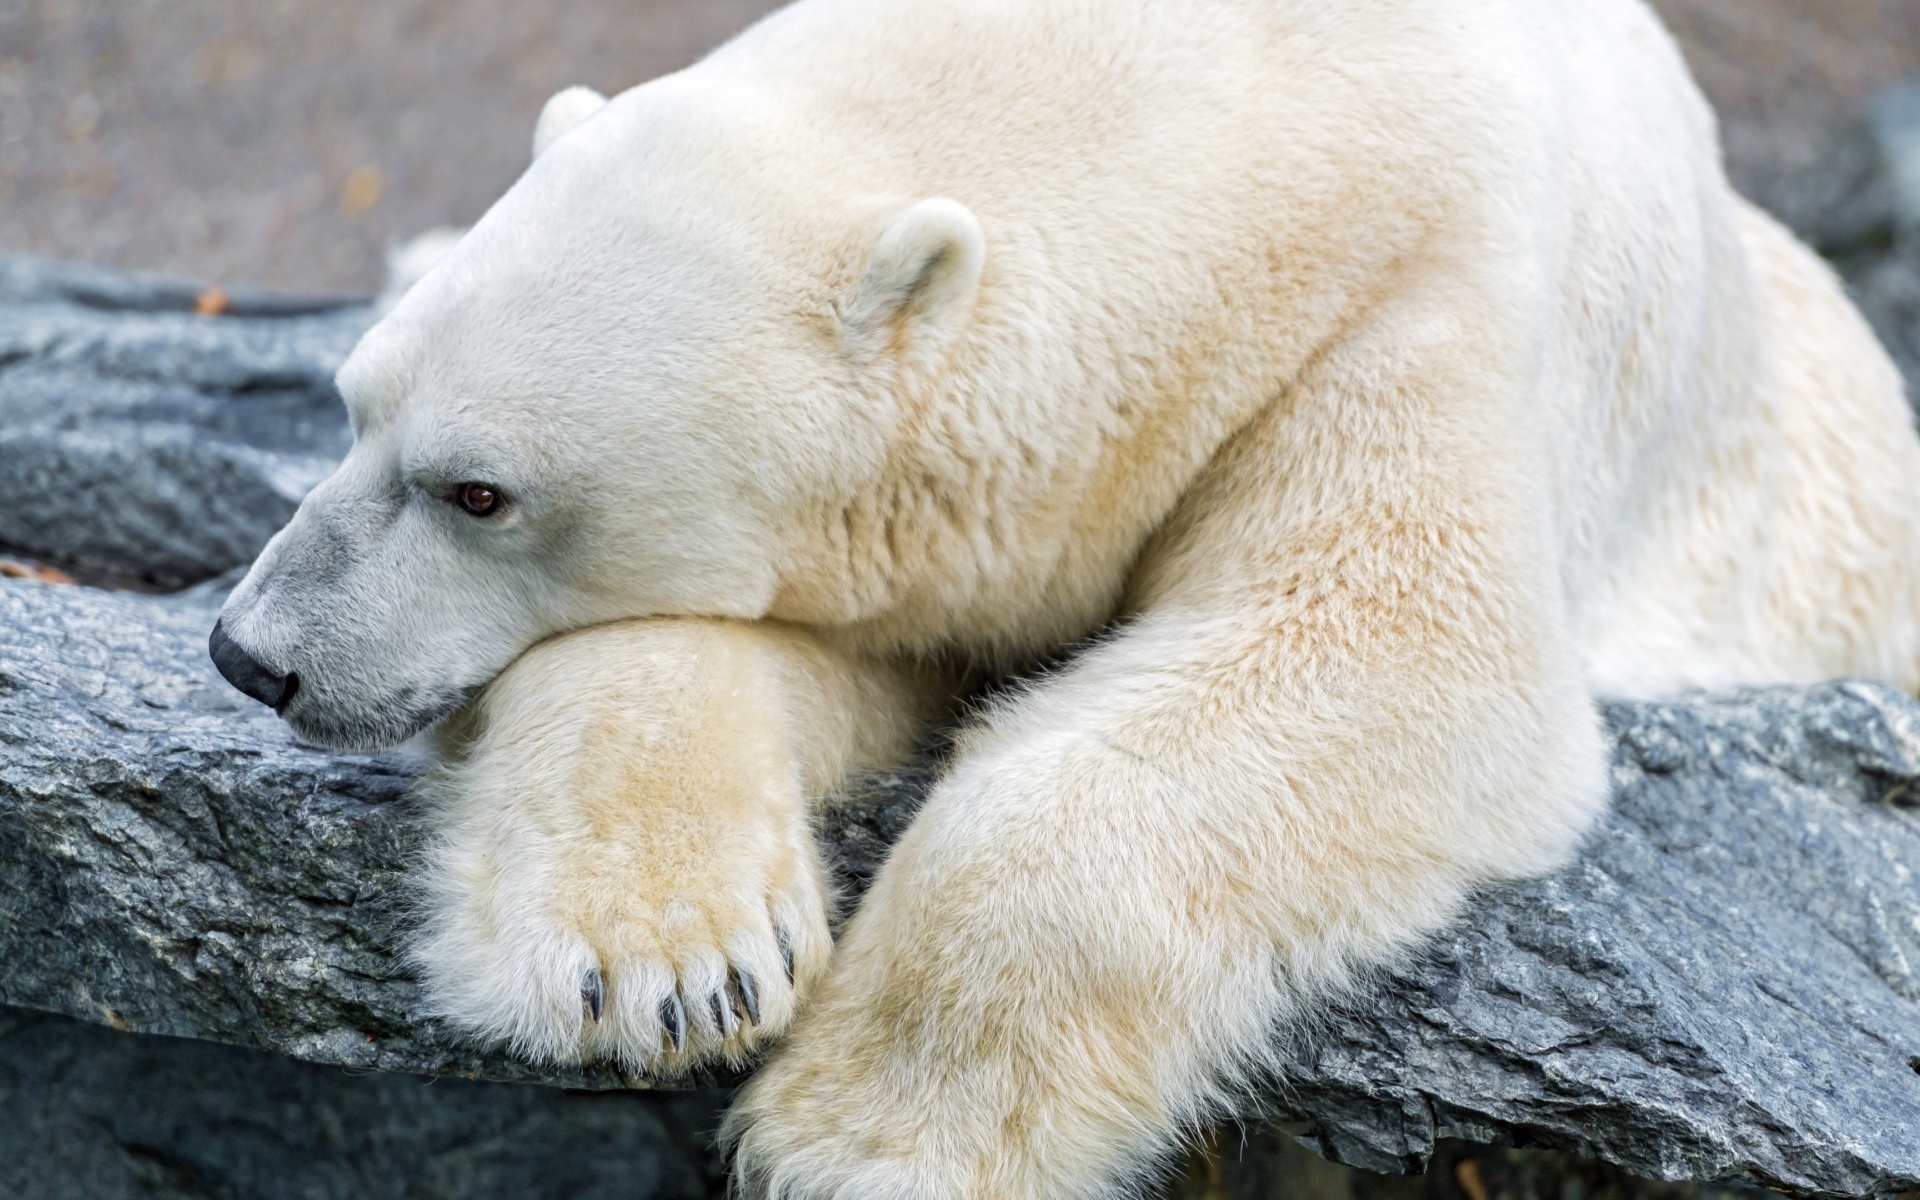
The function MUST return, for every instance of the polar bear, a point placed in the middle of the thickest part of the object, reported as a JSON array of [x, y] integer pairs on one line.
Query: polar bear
[[1338, 396]]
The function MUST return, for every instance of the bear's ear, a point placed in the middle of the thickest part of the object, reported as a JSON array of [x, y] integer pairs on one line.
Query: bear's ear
[[564, 111], [920, 277]]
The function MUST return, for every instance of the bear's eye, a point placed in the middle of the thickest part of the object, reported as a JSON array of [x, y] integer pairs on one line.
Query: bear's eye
[[480, 499]]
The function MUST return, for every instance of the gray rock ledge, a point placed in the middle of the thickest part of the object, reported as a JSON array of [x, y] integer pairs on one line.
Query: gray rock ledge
[[145, 445], [1725, 985]]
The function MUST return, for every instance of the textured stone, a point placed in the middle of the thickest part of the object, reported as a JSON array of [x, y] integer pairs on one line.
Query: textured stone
[[171, 861], [142, 443], [1726, 984], [90, 1114]]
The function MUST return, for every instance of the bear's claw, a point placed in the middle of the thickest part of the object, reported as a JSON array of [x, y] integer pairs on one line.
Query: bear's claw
[[673, 1019], [592, 994], [741, 994], [786, 954]]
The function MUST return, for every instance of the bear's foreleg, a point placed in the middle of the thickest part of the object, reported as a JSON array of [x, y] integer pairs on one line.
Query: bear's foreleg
[[622, 865], [1346, 698]]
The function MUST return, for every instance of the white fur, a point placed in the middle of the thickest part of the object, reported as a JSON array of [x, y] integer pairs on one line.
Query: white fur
[[563, 111], [1359, 387], [408, 262], [918, 283]]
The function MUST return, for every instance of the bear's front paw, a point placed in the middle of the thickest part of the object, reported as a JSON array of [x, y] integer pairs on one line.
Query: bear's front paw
[[622, 873], [617, 938]]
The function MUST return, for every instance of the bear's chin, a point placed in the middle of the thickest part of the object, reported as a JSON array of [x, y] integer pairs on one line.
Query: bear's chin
[[316, 722]]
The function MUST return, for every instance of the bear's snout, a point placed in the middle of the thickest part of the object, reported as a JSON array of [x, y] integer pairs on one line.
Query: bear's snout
[[245, 672]]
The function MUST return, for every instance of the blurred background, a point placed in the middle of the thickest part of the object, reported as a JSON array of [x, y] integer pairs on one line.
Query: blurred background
[[287, 142]]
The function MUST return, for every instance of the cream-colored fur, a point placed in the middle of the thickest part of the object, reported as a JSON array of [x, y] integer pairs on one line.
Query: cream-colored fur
[[651, 830], [1348, 391]]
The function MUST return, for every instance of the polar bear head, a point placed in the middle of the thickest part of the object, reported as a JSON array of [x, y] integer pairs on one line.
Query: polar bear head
[[613, 398]]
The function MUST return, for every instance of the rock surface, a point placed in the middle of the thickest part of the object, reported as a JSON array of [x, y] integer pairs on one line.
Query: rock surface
[[1727, 983], [144, 444], [90, 1114]]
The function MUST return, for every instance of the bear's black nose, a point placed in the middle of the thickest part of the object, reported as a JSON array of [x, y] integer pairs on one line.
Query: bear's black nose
[[245, 673]]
